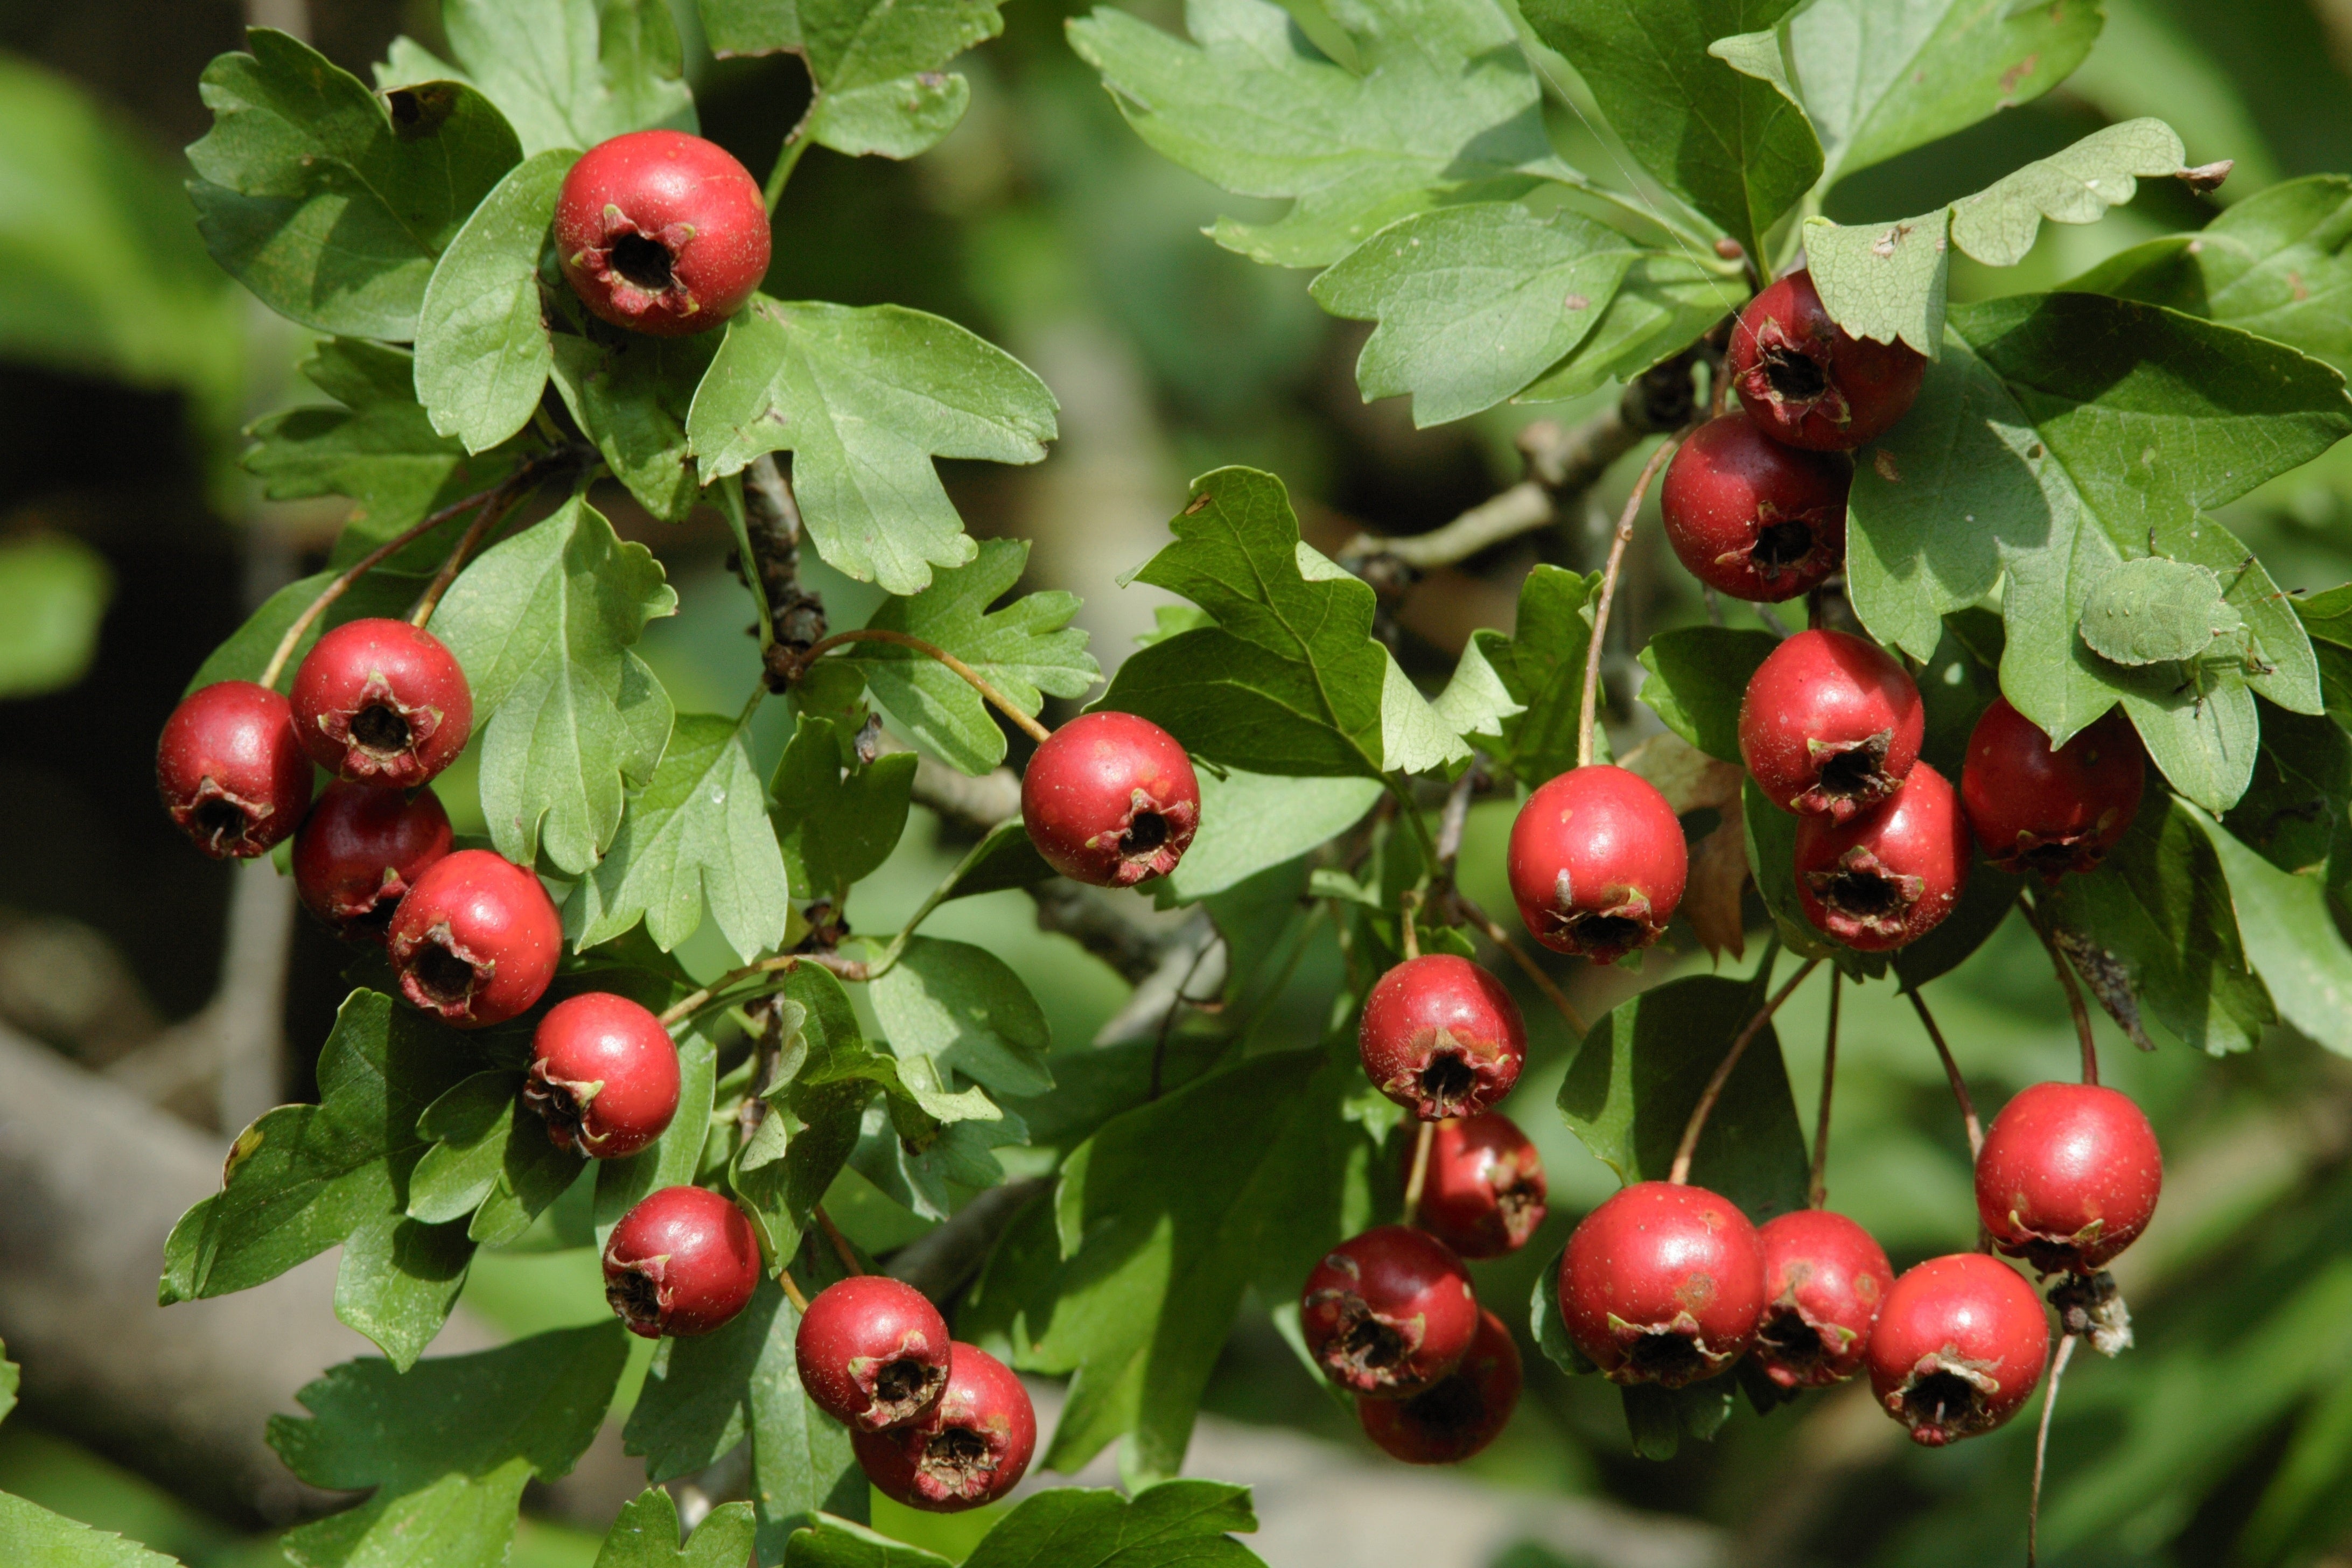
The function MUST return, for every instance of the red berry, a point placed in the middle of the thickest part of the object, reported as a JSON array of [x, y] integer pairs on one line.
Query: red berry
[[1442, 1037], [2034, 809], [1389, 1312], [1110, 799], [872, 1352], [230, 771], [1889, 876], [475, 940], [1663, 1284], [681, 1263], [1597, 863], [2068, 1176], [1752, 518], [603, 1073], [1830, 723], [361, 849], [382, 702], [1824, 1279], [1805, 382], [1958, 1348], [971, 1448], [1483, 1194], [661, 232], [1461, 1414]]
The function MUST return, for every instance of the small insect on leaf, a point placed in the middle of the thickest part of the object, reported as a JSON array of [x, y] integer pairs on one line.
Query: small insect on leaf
[[2153, 610]]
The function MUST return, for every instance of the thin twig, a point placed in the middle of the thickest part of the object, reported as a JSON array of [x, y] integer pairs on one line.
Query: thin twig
[[792, 1289], [841, 1247], [2073, 992], [1818, 1192], [1419, 1178], [1609, 593], [2058, 1359], [1679, 1174], [686, 1007], [1527, 965], [490, 517], [1176, 1004], [1456, 818], [1952, 1071], [1033, 730]]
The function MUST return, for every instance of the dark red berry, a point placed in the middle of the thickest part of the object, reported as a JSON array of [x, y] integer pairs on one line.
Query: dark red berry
[[1663, 1284], [1597, 863], [2068, 1176], [1752, 518], [681, 1263], [661, 232], [475, 940], [1110, 799], [382, 702], [1466, 1410], [230, 769], [1805, 382], [2034, 809], [1830, 723], [872, 1352], [361, 849], [1483, 1194], [1389, 1312], [1442, 1037], [1887, 877], [603, 1073], [1825, 1279], [1958, 1348], [971, 1448]]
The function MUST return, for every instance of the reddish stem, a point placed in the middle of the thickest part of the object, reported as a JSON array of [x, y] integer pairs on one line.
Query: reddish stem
[[1609, 592], [1680, 1172], [1033, 730]]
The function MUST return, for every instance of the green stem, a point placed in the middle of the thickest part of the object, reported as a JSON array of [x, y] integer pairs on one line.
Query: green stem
[[794, 145], [751, 577]]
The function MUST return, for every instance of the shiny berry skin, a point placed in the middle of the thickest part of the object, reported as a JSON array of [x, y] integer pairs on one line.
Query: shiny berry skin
[[382, 702], [1825, 1279], [2034, 809], [1959, 1349], [1805, 382], [603, 1075], [1597, 863], [971, 1448], [681, 1263], [1389, 1312], [230, 769], [360, 851], [1829, 724], [1466, 1410], [661, 232], [1110, 799], [1887, 877], [1663, 1284], [475, 942], [2068, 1176], [1442, 1037], [1483, 1194], [872, 1352], [1752, 518]]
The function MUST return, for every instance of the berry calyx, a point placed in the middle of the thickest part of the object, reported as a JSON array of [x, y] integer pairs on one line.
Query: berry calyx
[[681, 1263], [2068, 1176], [1829, 724], [382, 702], [603, 1075], [1663, 1284], [1751, 517], [231, 772], [1825, 1279], [360, 851], [661, 232], [2051, 812], [971, 1448], [1806, 382], [1463, 1412], [1442, 1037], [1109, 799], [475, 942], [1597, 863], [1483, 1192], [1958, 1348], [1887, 877], [872, 1352], [1389, 1312]]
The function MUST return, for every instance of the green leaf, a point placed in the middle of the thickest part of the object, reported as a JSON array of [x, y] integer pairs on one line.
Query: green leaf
[[1698, 676], [2292, 812], [33, 1537], [1540, 670], [11, 1377], [1165, 1526], [834, 1543], [2291, 939], [876, 66], [1657, 1419], [1547, 1327], [1005, 858], [750, 27], [646, 1535], [247, 653], [482, 348], [630, 394], [811, 1127], [673, 1158], [53, 593], [330, 202], [963, 1007], [399, 1280], [1252, 821], [1664, 303], [572, 73], [838, 821], [489, 1156], [1773, 860]]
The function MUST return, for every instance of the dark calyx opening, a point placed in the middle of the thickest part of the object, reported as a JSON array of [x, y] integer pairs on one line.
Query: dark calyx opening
[[1795, 376], [1944, 1402], [1667, 1358], [221, 822], [442, 975], [906, 1385], [644, 262], [635, 1296], [1609, 934], [558, 1107], [1145, 831], [1447, 1081], [1454, 1408], [1788, 1341], [374, 920], [1780, 545], [958, 1459], [1857, 772], [2054, 858], [1865, 895], [381, 730], [1365, 1350]]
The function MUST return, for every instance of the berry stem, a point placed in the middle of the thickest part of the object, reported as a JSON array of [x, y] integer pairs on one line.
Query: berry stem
[[787, 159], [2058, 1359], [490, 517], [1527, 965], [1679, 1174], [1951, 1072], [1030, 727], [2073, 992], [1419, 1179], [792, 1289], [1609, 592], [1818, 1193], [687, 1006], [1408, 910], [841, 1247]]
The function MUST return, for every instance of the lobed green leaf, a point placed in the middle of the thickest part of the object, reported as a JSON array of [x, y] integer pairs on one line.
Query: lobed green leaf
[[482, 348]]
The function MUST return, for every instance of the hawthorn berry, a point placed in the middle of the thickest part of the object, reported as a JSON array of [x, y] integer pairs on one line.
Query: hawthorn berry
[[1389, 1312], [681, 1263], [361, 849], [231, 772], [1958, 1348], [475, 942], [1460, 1414], [1752, 518], [872, 1352], [603, 1075], [1109, 799], [1483, 1194], [1806, 382], [661, 232], [2068, 1176], [1597, 863], [1830, 723], [1442, 1037], [1887, 877], [971, 1448], [1825, 1279], [2035, 809], [382, 702], [1663, 1284]]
